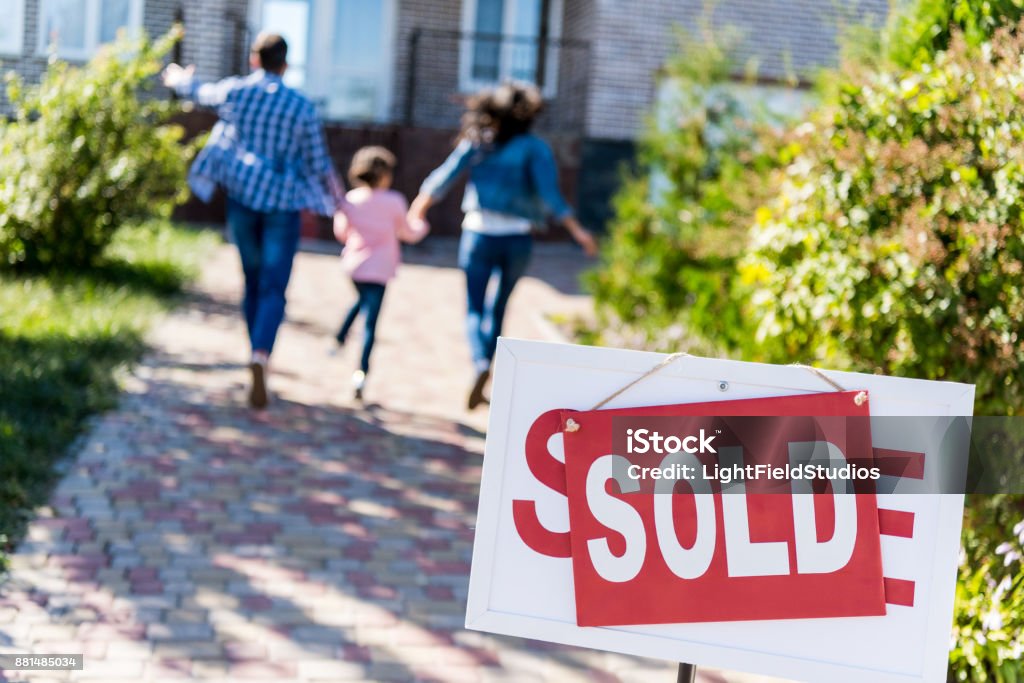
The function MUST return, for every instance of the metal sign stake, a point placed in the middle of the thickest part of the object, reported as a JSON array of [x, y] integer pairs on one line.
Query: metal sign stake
[[687, 673]]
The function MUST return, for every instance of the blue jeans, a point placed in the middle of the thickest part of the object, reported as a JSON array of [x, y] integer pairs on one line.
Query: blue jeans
[[266, 243], [371, 297], [484, 258]]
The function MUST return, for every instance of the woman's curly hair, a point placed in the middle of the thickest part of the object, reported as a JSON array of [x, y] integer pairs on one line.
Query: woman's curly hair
[[496, 115]]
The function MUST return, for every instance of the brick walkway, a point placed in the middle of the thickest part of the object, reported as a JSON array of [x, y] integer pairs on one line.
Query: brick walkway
[[319, 541]]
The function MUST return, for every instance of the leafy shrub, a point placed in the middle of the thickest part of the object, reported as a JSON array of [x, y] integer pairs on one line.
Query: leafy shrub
[[988, 633], [895, 243], [926, 27], [679, 226], [86, 154]]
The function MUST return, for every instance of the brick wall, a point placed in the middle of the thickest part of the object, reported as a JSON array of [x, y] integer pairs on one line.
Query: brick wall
[[630, 42], [216, 35], [575, 65], [436, 70], [785, 37]]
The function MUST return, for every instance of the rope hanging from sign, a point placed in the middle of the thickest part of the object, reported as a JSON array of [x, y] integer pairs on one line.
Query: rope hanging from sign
[[572, 425], [653, 371], [858, 399]]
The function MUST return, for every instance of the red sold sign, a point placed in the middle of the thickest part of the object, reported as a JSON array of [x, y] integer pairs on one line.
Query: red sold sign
[[642, 555]]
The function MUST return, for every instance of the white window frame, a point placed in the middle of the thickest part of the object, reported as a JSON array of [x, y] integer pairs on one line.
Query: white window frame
[[17, 20], [92, 32], [468, 84]]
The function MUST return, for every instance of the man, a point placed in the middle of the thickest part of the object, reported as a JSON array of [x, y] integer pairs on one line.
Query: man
[[267, 152]]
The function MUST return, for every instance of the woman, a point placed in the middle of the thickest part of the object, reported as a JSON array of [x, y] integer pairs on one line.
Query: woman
[[513, 185]]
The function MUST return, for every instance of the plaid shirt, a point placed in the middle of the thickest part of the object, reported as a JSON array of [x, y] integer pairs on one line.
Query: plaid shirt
[[267, 151]]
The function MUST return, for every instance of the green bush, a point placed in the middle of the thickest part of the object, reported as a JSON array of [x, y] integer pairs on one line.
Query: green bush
[[892, 242], [917, 30], [679, 226], [915, 35], [988, 633], [87, 153], [895, 243]]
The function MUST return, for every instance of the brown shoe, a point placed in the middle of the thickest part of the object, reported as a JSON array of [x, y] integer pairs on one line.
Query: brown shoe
[[476, 394], [258, 393]]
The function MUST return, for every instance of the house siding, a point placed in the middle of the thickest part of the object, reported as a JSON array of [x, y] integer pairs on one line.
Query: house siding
[[628, 43], [27, 64], [631, 41], [212, 33], [434, 65], [216, 33], [607, 86]]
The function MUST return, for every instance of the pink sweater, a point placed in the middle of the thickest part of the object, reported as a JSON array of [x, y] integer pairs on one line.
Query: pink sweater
[[370, 224]]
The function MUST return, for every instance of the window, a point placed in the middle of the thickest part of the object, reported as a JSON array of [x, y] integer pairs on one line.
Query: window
[[76, 28], [351, 77], [505, 39], [12, 29]]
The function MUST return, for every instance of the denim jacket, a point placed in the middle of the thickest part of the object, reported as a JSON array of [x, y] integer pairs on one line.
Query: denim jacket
[[518, 178]]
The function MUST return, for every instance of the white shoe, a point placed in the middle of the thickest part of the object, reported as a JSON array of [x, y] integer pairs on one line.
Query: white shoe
[[358, 382]]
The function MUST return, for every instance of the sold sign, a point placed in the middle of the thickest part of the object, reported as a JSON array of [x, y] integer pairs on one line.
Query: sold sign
[[665, 530]]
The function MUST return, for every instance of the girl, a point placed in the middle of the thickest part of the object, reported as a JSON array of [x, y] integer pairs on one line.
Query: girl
[[370, 224], [513, 185]]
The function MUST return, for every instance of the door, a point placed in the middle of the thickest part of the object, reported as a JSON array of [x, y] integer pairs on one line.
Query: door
[[352, 62], [290, 18], [340, 53]]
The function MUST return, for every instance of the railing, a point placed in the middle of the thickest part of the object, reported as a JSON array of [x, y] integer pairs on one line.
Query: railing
[[445, 66]]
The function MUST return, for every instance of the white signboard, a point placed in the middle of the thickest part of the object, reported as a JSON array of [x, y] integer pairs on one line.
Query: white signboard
[[515, 590]]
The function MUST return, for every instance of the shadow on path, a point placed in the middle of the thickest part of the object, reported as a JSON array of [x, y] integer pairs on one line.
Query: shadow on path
[[302, 541]]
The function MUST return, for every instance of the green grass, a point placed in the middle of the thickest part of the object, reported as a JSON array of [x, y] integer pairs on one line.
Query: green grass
[[63, 339]]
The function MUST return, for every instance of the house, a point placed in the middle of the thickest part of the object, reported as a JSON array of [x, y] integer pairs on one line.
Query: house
[[217, 30], [392, 71]]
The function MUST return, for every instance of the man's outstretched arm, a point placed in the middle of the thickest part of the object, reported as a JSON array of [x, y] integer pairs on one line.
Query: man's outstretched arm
[[182, 80]]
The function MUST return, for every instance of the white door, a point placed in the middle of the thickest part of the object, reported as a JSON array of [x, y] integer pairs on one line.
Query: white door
[[352, 58], [290, 18], [340, 52]]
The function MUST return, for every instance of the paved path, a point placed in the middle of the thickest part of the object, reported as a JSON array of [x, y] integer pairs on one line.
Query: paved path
[[319, 541]]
